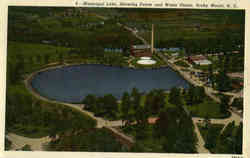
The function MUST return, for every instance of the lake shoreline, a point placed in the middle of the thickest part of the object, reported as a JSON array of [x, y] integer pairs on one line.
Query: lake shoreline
[[55, 66]]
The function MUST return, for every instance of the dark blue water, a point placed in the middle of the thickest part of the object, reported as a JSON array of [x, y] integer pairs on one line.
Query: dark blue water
[[73, 83]]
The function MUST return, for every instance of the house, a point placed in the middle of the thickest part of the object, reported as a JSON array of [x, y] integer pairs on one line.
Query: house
[[199, 60], [235, 52], [152, 120]]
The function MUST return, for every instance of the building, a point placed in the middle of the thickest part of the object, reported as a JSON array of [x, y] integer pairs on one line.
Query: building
[[144, 50], [235, 52], [141, 51], [199, 60], [175, 54], [174, 49]]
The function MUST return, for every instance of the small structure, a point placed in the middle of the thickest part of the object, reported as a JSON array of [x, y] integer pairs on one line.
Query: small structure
[[146, 61], [152, 120], [199, 60], [174, 49], [236, 75], [235, 52], [175, 54]]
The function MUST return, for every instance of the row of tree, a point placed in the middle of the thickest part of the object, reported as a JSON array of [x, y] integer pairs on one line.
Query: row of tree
[[106, 106], [176, 128], [20, 64], [192, 96], [131, 107]]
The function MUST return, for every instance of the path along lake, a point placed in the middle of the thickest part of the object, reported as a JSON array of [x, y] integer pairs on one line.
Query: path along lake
[[73, 83]]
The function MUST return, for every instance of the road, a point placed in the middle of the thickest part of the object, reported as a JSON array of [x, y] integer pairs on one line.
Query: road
[[200, 144], [18, 142], [134, 33], [210, 92]]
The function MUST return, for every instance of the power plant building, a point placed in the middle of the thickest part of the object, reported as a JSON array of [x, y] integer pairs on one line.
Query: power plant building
[[144, 50]]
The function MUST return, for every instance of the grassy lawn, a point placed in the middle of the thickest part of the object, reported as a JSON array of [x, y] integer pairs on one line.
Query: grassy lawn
[[201, 67], [181, 63], [208, 108], [168, 105], [31, 131], [34, 54]]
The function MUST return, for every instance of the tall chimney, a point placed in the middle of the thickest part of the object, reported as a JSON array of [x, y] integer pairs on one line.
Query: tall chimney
[[152, 39]]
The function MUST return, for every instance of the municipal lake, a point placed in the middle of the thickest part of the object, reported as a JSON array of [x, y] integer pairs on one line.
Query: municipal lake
[[73, 83]]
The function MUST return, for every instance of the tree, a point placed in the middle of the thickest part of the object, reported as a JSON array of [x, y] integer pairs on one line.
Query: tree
[[224, 103], [125, 105], [186, 140], [158, 101], [136, 98], [141, 117], [19, 69], [238, 103], [176, 129], [239, 139], [46, 58], [175, 97], [224, 83], [61, 58], [110, 105], [207, 122], [211, 75], [195, 95], [149, 102], [39, 59], [90, 102], [30, 60], [167, 124], [211, 138], [228, 131]]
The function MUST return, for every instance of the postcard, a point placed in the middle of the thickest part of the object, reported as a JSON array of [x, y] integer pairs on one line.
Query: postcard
[[124, 79]]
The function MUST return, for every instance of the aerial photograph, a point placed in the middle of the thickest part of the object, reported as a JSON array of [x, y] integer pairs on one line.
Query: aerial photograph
[[137, 80]]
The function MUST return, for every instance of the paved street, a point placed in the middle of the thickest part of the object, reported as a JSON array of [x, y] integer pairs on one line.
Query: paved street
[[18, 142]]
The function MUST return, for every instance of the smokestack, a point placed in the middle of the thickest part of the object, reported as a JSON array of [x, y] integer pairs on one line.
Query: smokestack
[[152, 39]]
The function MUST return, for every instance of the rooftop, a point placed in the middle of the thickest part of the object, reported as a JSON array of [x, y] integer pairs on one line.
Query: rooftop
[[141, 46]]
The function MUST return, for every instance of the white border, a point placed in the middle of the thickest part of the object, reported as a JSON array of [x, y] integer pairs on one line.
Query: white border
[[242, 4]]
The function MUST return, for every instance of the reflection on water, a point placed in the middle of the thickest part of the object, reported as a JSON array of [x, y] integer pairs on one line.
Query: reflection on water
[[73, 83]]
